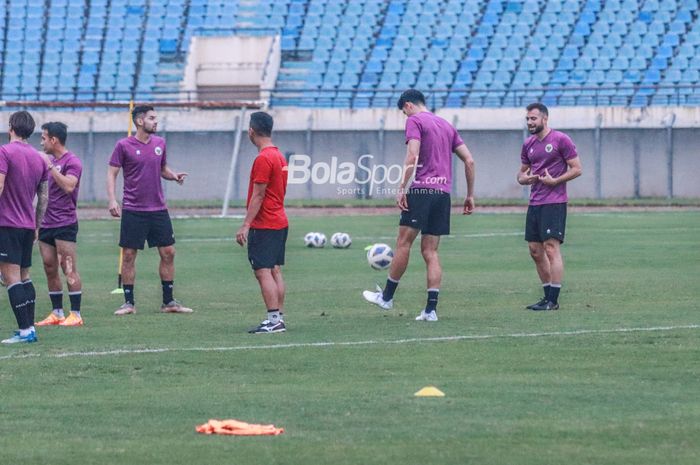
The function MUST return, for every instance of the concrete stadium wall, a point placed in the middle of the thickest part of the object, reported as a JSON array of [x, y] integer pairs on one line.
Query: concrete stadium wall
[[206, 152]]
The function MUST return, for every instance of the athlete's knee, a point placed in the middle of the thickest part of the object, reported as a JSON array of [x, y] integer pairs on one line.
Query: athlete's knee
[[551, 248], [128, 256], [51, 268], [167, 254], [429, 254], [536, 251], [262, 273]]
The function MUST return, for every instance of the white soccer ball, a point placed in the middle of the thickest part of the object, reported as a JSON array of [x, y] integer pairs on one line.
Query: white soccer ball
[[341, 240], [379, 256], [315, 240], [309, 239]]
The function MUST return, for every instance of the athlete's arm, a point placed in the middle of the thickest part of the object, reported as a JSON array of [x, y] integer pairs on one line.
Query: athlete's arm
[[573, 172], [2, 183], [465, 155], [525, 177], [256, 200], [112, 173], [43, 194], [170, 175], [409, 167], [67, 183]]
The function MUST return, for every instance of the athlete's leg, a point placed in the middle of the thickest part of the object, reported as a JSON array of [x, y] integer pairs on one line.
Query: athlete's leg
[[49, 256], [268, 288], [537, 252], [167, 263], [556, 263], [404, 241], [281, 286], [429, 249], [66, 250]]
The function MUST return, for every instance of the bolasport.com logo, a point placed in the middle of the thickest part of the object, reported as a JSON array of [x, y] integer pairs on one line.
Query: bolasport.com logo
[[351, 178]]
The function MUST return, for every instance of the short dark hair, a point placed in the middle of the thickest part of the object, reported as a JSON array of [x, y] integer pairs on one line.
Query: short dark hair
[[261, 123], [22, 124], [140, 110], [538, 106], [414, 96], [56, 129]]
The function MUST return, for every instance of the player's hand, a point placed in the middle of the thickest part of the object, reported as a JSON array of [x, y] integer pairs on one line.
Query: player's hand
[[529, 178], [401, 200], [548, 179], [468, 206], [180, 178], [36, 235], [114, 209], [242, 235]]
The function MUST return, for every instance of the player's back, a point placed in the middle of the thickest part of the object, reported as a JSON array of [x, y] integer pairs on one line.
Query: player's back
[[438, 139], [24, 170]]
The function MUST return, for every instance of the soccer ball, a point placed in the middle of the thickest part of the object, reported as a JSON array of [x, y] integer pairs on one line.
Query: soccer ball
[[315, 240], [379, 256], [341, 240]]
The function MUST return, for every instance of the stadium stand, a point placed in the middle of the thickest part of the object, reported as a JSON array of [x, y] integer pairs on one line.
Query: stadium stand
[[362, 53]]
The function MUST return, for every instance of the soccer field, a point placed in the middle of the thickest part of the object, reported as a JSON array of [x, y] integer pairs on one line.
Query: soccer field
[[610, 378]]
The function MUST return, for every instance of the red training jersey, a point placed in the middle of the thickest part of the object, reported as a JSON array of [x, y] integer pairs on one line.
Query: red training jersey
[[270, 168]]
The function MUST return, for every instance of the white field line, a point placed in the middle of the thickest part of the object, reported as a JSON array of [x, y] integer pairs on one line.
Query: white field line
[[359, 238], [466, 337]]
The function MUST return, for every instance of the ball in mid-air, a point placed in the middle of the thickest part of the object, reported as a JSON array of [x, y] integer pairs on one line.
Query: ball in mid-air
[[379, 256]]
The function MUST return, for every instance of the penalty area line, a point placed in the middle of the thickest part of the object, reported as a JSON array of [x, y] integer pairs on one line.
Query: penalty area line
[[295, 345]]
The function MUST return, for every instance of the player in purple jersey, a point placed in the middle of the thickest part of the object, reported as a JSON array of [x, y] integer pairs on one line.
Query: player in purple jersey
[[59, 229], [144, 216], [425, 207], [23, 176], [548, 161]]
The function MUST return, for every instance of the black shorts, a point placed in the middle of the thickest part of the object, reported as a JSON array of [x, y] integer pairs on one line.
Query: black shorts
[[428, 210], [16, 246], [545, 222], [139, 227], [266, 247], [62, 233]]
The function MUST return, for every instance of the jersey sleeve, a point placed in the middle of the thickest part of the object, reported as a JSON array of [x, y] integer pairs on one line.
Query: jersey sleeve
[[567, 148], [262, 170], [74, 168], [524, 159], [456, 140], [117, 159], [3, 161], [412, 130], [163, 160]]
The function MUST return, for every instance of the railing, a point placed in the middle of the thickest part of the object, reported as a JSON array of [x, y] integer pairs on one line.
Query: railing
[[620, 95]]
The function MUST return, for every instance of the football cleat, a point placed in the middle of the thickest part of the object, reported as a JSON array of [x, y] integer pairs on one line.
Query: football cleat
[[542, 301], [51, 320], [545, 306], [377, 298], [17, 339], [72, 320], [268, 327], [427, 316], [174, 307], [125, 309]]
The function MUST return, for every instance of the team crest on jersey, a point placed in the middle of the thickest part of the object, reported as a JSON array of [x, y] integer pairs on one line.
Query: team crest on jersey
[[548, 148], [138, 152], [159, 151]]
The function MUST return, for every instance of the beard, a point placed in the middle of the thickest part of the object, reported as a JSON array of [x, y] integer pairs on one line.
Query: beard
[[536, 129]]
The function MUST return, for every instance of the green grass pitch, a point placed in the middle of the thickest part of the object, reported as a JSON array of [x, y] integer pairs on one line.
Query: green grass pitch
[[571, 386]]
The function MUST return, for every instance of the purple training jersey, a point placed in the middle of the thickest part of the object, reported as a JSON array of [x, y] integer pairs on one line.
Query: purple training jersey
[[550, 153], [142, 164], [62, 205], [438, 140], [24, 170]]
